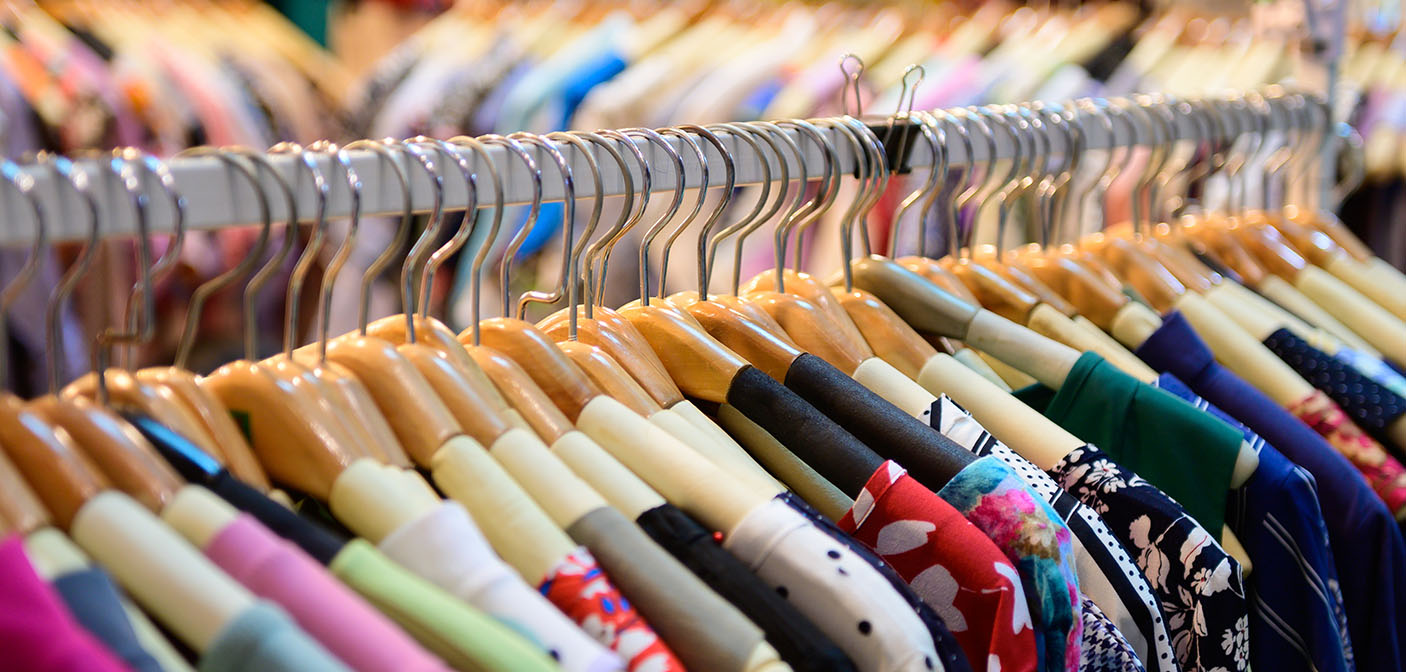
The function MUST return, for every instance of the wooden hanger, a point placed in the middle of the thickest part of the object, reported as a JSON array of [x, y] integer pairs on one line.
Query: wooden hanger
[[21, 511], [523, 393], [701, 365], [612, 379], [235, 453], [58, 472], [119, 451], [891, 338], [617, 337]]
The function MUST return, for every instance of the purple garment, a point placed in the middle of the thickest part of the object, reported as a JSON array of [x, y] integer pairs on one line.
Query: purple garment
[[1367, 545]]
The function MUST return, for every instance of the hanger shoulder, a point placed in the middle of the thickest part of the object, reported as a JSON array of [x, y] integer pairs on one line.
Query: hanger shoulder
[[430, 331], [384, 445], [420, 419], [155, 401], [935, 273], [522, 393], [1091, 296], [315, 391], [702, 367], [478, 418], [119, 451], [886, 333], [615, 335], [238, 456], [993, 292], [565, 384], [610, 377], [922, 304], [21, 511], [61, 475], [811, 289], [758, 346], [813, 330], [290, 436]]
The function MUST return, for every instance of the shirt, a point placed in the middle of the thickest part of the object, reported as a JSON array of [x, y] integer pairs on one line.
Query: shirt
[[949, 650], [1107, 575], [96, 605], [447, 549], [460, 635], [994, 499], [949, 563], [1184, 452], [1371, 406], [1297, 617], [276, 570], [1198, 582], [849, 601], [264, 639], [801, 644], [584, 593], [701, 628], [36, 632], [1366, 544]]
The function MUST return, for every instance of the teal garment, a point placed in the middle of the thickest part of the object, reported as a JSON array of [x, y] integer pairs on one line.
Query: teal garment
[[1186, 453], [264, 639], [1031, 535]]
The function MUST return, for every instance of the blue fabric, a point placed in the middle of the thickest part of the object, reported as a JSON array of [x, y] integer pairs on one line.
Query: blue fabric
[[1297, 617], [1366, 544], [1372, 406], [587, 77]]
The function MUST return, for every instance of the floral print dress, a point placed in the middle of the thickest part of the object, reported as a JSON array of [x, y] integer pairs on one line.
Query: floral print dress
[[993, 497], [1199, 584]]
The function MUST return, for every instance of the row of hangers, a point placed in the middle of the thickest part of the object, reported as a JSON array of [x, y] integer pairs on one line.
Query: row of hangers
[[344, 419]]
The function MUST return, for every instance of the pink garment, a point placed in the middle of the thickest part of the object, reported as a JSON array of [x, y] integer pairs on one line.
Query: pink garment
[[36, 631], [337, 618]]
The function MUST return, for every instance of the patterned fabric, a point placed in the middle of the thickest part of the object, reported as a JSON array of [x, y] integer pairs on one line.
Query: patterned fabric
[[1366, 542], [949, 651], [1198, 582], [993, 498], [842, 594], [579, 588], [950, 564], [1105, 649], [1297, 616], [1382, 471], [1107, 575], [1371, 406], [1375, 369]]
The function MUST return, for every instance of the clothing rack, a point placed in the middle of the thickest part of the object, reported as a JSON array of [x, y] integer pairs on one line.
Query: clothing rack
[[217, 197]]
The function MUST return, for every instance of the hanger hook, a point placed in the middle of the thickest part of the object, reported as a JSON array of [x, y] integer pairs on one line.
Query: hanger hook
[[310, 253], [582, 250], [659, 226], [658, 140], [852, 66], [461, 234], [196, 306], [121, 168], [24, 184], [382, 149], [708, 239], [504, 263], [81, 184], [495, 223], [801, 218], [598, 254], [339, 259], [927, 191], [154, 167], [421, 248]]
